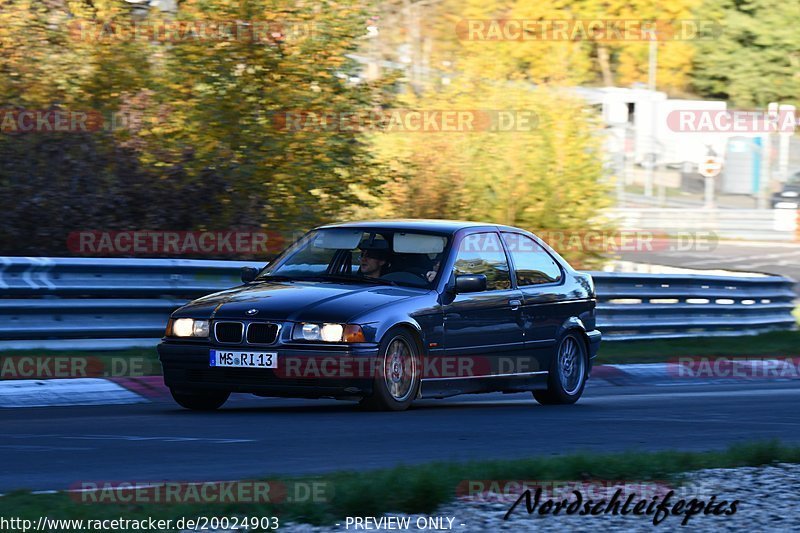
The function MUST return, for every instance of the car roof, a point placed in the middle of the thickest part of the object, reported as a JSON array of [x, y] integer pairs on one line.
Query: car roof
[[411, 224]]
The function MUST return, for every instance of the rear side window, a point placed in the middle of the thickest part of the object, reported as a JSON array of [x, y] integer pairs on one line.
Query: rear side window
[[533, 264], [482, 253]]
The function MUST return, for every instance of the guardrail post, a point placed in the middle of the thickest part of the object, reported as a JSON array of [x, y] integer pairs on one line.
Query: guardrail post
[[797, 226]]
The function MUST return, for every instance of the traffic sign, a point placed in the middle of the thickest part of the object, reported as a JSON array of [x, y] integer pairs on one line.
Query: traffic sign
[[710, 167]]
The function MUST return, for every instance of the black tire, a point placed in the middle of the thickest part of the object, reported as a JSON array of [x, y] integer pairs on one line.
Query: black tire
[[200, 400], [562, 391], [395, 370]]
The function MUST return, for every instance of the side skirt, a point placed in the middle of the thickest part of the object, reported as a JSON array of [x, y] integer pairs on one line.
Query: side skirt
[[446, 387]]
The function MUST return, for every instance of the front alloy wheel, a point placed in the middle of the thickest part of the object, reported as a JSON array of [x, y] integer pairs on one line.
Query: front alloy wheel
[[396, 379]]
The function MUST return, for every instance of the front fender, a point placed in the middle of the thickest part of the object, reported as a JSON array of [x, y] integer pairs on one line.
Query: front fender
[[421, 315], [375, 331]]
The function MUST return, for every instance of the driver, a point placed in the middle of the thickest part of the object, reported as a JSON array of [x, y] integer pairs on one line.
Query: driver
[[373, 262]]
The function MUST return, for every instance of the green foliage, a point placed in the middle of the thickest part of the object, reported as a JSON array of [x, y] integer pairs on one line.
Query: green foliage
[[546, 175], [756, 60], [772, 344], [422, 488]]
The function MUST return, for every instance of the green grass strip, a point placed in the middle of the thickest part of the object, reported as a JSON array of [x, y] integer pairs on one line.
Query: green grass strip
[[419, 488]]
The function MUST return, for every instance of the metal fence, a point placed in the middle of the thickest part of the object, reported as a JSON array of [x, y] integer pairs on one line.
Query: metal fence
[[77, 303]]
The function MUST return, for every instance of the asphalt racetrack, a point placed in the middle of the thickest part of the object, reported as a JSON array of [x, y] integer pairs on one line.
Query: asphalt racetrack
[[57, 448]]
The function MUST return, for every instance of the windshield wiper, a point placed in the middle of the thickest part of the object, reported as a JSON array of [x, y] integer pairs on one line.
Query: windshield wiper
[[328, 277], [356, 279], [270, 277]]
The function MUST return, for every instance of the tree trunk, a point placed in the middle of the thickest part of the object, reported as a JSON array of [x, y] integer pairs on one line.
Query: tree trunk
[[605, 65]]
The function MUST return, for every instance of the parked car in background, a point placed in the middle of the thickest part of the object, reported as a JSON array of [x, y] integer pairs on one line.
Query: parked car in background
[[789, 196], [389, 311]]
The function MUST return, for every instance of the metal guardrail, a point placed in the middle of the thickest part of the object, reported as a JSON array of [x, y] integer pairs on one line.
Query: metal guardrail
[[89, 303], [82, 303], [636, 306]]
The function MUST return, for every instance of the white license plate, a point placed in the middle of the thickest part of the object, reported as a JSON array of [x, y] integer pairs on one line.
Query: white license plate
[[243, 359]]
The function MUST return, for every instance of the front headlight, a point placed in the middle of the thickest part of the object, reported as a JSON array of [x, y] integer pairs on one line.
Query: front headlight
[[328, 332], [187, 327]]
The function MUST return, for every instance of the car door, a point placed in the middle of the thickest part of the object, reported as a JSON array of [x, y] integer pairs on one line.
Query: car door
[[483, 328], [540, 279]]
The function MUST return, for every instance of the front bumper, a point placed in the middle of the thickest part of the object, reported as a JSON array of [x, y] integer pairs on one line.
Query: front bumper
[[304, 371]]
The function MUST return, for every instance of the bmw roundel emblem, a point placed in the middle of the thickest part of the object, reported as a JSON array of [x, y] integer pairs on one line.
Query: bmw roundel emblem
[[251, 312]]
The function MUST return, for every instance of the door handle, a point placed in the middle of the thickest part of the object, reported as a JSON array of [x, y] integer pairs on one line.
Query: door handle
[[514, 304]]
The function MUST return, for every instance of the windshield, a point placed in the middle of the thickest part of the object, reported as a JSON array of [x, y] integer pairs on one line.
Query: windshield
[[362, 256]]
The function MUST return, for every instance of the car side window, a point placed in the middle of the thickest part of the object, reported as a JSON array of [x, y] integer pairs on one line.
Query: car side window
[[482, 253], [533, 265]]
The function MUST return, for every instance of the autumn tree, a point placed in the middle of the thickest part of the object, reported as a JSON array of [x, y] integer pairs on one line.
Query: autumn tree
[[193, 136], [756, 58]]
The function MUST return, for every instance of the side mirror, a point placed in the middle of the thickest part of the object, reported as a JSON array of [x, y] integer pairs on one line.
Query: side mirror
[[249, 274], [470, 283]]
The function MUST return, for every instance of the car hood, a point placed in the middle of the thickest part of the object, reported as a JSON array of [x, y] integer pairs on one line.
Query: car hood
[[296, 301]]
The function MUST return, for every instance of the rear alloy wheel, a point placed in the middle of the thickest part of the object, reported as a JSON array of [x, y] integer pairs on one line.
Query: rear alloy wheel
[[397, 376], [567, 376], [200, 400]]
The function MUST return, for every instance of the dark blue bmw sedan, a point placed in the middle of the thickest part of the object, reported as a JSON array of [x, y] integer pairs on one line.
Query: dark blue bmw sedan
[[388, 311]]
